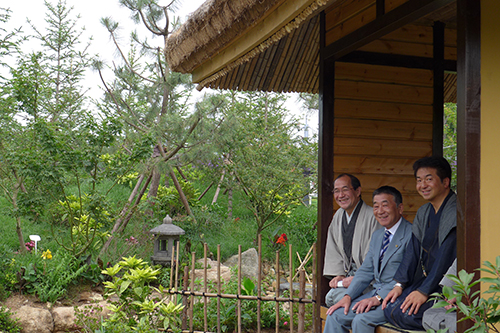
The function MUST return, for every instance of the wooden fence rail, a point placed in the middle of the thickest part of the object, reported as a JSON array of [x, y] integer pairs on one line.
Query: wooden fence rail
[[189, 293]]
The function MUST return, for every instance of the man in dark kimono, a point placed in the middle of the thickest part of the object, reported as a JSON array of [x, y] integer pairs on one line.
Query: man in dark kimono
[[432, 249]]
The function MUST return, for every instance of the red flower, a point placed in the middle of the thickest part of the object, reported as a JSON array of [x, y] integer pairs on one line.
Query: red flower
[[282, 239]]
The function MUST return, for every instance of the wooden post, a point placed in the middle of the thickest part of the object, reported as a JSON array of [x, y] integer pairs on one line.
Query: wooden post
[[314, 291], [218, 288], [205, 299], [185, 298], [290, 268], [191, 303], [239, 288], [277, 291], [259, 283], [302, 306]]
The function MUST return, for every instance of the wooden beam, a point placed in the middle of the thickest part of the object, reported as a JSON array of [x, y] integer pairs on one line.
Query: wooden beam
[[395, 60], [469, 139], [438, 95], [380, 5], [396, 18], [325, 168]]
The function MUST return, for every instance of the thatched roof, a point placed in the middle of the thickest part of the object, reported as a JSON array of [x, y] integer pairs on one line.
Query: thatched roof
[[217, 23], [210, 28]]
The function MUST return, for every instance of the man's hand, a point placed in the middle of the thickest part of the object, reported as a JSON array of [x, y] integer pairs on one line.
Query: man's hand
[[347, 281], [452, 303], [366, 304], [392, 296], [335, 280], [413, 302], [345, 302]]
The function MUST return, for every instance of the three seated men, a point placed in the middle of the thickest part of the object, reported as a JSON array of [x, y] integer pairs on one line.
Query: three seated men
[[415, 272]]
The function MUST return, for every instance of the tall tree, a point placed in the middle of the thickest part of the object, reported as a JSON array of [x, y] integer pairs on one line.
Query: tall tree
[[151, 100], [65, 59], [261, 148]]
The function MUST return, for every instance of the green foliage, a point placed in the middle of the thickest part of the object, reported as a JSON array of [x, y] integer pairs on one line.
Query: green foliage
[[136, 308], [89, 318], [484, 312], [261, 154], [228, 312], [450, 139], [7, 324]]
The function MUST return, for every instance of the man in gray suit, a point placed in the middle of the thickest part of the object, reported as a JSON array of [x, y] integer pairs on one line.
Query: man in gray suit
[[387, 247]]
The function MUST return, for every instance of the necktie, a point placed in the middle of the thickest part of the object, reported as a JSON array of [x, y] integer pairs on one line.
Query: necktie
[[385, 245]]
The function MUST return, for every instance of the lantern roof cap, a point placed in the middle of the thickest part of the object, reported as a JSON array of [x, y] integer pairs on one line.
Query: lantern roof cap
[[167, 228]]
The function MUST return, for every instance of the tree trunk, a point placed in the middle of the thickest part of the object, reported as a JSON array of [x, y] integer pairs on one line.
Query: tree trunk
[[184, 200], [155, 183], [230, 203], [217, 191], [205, 192], [124, 212]]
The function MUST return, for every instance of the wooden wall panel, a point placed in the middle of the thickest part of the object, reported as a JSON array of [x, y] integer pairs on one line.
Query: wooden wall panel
[[383, 110], [407, 76], [381, 129], [383, 92], [383, 124]]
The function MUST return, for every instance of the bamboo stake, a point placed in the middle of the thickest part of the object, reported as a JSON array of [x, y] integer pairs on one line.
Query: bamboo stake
[[290, 264], [303, 263], [277, 291], [302, 306], [176, 268], [218, 288], [191, 304], [243, 297], [316, 324], [171, 270], [239, 288], [185, 298], [205, 299], [259, 282]]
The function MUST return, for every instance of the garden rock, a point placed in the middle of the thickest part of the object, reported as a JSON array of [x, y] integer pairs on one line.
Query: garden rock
[[225, 272], [64, 319], [35, 320], [249, 263]]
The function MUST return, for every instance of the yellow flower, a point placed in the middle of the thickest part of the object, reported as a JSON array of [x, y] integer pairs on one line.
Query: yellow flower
[[47, 254]]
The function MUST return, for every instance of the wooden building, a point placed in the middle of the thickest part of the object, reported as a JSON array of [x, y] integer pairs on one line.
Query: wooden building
[[383, 69]]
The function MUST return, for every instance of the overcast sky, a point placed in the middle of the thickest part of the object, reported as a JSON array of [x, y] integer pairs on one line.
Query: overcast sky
[[91, 12]]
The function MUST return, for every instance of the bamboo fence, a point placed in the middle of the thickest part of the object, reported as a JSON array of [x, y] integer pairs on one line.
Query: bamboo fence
[[189, 293]]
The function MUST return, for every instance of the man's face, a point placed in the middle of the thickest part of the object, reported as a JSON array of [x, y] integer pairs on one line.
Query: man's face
[[386, 211], [430, 186], [345, 196]]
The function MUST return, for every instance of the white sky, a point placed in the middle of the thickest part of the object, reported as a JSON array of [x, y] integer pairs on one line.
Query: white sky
[[91, 12]]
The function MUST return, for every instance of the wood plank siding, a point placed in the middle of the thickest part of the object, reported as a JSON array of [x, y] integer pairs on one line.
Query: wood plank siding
[[383, 114]]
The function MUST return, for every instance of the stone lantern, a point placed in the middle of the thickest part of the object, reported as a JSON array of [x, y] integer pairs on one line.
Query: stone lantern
[[167, 236]]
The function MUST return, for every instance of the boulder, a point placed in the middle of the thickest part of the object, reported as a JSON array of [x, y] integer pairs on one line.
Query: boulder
[[225, 272], [64, 319], [35, 320], [249, 263]]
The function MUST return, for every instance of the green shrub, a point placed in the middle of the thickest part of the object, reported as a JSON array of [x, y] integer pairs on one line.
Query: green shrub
[[135, 308], [7, 324]]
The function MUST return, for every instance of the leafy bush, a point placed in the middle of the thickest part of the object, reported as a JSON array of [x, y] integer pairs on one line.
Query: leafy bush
[[7, 324], [483, 312], [136, 309]]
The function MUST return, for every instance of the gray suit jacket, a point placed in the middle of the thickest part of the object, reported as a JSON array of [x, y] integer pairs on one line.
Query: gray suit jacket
[[369, 270]]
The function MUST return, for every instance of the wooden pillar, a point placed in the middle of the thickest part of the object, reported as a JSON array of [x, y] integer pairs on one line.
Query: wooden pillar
[[468, 140], [325, 165], [438, 99]]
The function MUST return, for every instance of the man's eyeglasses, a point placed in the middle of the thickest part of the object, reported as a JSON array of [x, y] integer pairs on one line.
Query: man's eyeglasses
[[344, 190]]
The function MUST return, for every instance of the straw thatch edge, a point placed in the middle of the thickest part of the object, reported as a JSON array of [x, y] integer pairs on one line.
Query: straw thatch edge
[[211, 27], [285, 30]]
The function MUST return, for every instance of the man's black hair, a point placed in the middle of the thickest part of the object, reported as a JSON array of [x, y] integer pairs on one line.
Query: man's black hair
[[355, 183], [398, 198], [443, 169]]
